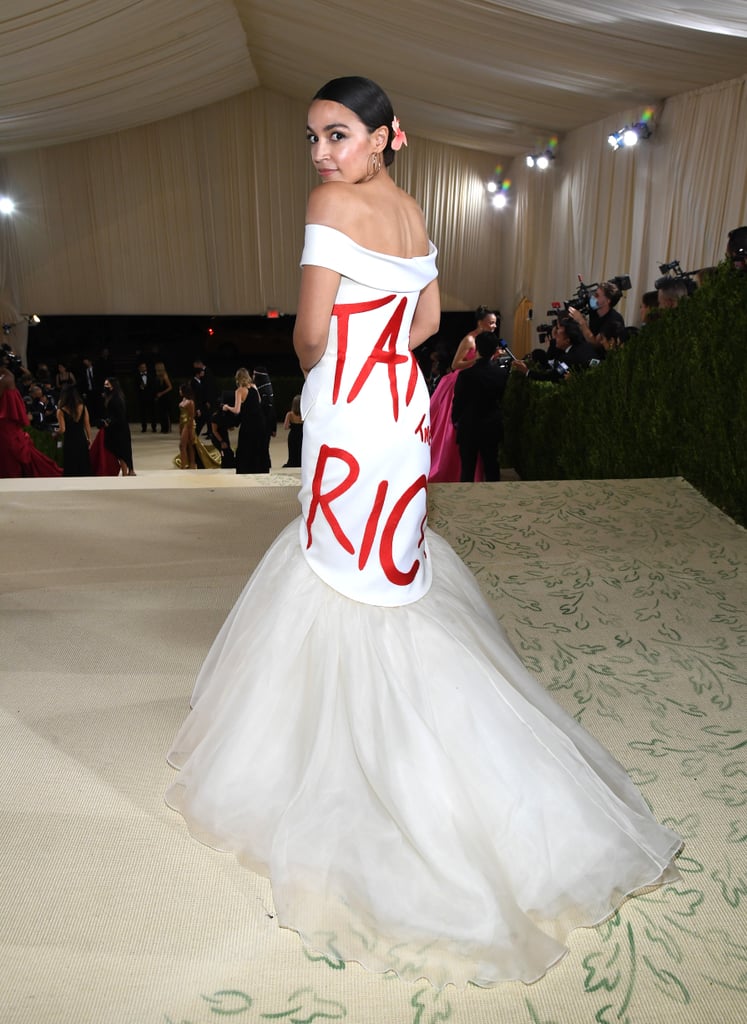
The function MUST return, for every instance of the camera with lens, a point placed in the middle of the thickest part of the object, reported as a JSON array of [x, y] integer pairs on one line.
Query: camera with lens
[[581, 298], [664, 268], [9, 358], [672, 271]]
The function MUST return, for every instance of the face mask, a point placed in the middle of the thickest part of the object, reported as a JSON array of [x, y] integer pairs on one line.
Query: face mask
[[594, 302]]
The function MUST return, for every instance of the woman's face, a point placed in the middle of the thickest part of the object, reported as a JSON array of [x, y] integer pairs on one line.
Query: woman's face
[[488, 323], [340, 142]]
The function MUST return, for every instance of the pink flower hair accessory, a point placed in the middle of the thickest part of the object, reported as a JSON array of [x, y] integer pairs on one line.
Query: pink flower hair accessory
[[399, 139]]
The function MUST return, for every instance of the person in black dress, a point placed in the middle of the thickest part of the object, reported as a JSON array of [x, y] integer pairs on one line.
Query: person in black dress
[[117, 437], [252, 454], [294, 425], [164, 387], [74, 427]]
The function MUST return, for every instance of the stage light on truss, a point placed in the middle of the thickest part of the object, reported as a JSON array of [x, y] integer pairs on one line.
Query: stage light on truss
[[630, 135], [540, 160]]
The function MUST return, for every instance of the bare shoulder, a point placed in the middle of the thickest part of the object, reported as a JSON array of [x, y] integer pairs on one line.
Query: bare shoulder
[[329, 204], [379, 216]]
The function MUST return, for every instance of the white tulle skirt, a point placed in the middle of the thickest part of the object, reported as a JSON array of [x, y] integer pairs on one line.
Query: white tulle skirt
[[417, 800]]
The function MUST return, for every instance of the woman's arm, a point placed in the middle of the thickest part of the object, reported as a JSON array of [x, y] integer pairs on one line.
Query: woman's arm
[[60, 422], [460, 362], [239, 396], [580, 319], [167, 386], [86, 424], [315, 301], [427, 317]]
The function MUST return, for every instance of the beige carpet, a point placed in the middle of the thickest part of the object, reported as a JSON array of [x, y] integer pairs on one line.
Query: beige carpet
[[626, 598]]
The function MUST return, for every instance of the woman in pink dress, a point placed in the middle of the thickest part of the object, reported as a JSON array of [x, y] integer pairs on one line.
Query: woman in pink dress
[[445, 464]]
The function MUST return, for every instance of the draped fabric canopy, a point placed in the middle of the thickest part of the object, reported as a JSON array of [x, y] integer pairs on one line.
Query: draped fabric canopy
[[157, 152], [503, 77], [79, 68]]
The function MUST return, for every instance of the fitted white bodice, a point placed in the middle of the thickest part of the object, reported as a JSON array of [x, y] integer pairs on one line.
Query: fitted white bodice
[[366, 442]]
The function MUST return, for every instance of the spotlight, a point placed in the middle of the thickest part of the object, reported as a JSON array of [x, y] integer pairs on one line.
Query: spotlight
[[498, 187], [541, 160], [630, 135], [7, 206]]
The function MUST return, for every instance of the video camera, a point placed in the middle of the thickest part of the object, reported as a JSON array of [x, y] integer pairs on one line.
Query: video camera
[[9, 358], [580, 300], [673, 272]]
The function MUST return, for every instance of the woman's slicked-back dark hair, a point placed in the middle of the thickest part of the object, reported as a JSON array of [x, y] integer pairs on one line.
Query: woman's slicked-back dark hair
[[69, 398], [366, 99], [482, 311]]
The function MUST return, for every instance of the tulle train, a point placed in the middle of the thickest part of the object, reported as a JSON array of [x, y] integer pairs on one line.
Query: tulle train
[[418, 801]]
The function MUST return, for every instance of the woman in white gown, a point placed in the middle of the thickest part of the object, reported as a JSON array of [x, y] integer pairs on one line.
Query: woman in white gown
[[417, 800]]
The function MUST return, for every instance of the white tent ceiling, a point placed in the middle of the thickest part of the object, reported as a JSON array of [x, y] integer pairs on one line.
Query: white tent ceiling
[[501, 77]]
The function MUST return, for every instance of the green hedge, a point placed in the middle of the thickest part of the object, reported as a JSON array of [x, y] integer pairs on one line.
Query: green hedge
[[46, 443], [672, 402]]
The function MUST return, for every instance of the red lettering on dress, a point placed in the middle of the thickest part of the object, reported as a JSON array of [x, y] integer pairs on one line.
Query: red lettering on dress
[[385, 351], [372, 524], [324, 501], [425, 432], [343, 311], [421, 541], [386, 554], [412, 382]]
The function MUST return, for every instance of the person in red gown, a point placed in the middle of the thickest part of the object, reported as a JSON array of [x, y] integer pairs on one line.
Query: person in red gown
[[18, 456]]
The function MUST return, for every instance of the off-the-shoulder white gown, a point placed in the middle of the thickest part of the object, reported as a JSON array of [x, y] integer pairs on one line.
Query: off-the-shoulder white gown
[[418, 801]]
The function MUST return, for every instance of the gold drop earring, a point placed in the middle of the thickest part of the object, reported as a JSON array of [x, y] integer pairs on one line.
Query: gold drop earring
[[374, 165]]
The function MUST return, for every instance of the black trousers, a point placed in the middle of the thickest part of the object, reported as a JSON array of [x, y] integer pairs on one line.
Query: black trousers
[[484, 444], [147, 409]]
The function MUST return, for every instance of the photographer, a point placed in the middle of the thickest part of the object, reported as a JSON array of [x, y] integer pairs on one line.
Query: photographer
[[42, 409], [12, 361], [736, 248], [606, 328], [568, 351], [672, 290]]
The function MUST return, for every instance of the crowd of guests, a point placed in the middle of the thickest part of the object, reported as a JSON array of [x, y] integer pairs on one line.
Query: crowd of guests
[[84, 408], [466, 397], [68, 409]]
